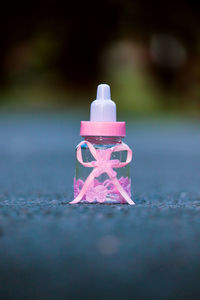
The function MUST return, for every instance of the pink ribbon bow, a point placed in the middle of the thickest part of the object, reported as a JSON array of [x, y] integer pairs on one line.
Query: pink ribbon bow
[[103, 164]]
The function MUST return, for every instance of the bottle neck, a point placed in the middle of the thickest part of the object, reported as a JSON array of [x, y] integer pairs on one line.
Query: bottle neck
[[104, 139]]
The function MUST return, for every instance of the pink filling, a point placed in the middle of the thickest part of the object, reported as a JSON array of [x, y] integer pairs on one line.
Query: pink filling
[[98, 191]]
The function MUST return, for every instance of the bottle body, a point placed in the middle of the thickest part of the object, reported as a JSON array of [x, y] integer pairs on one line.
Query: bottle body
[[102, 171]]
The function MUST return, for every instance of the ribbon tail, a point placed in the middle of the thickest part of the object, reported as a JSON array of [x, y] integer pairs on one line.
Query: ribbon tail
[[122, 191], [84, 189]]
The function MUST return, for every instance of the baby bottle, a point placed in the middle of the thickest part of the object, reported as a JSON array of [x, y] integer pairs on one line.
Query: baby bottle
[[102, 159]]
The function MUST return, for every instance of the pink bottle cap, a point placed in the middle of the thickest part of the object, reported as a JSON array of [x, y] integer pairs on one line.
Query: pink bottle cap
[[89, 128]]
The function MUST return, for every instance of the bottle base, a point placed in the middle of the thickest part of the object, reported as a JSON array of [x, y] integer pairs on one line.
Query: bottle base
[[103, 193]]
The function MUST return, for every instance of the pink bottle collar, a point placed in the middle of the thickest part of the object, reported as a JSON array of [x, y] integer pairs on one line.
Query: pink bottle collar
[[89, 128]]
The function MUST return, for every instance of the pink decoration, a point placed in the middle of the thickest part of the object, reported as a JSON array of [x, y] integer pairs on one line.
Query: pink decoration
[[102, 164], [98, 191]]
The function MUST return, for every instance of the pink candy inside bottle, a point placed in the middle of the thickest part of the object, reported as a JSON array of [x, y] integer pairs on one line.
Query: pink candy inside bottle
[[102, 160]]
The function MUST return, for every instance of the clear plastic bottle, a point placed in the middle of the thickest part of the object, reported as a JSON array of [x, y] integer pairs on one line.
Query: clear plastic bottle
[[102, 189], [102, 160]]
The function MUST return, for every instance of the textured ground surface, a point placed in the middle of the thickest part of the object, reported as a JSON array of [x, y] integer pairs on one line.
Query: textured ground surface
[[51, 250]]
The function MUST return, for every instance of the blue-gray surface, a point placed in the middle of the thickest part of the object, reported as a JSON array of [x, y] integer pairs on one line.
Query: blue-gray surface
[[52, 250]]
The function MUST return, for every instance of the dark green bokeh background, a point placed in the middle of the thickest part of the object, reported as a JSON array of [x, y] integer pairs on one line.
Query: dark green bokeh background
[[53, 54]]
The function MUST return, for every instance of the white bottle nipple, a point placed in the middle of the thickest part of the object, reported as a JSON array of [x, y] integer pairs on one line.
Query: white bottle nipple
[[103, 109]]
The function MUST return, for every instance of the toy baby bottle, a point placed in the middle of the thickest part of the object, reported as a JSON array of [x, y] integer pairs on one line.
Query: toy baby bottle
[[102, 159]]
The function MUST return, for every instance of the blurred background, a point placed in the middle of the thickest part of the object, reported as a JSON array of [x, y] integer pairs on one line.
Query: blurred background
[[53, 54]]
